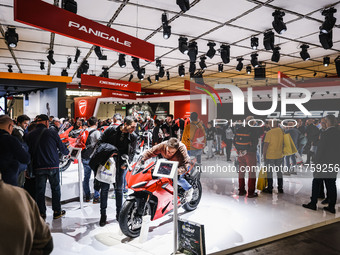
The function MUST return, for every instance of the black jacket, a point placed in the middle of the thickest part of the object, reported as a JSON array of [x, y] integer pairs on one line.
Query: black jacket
[[312, 133], [46, 155], [328, 151], [101, 154], [11, 153]]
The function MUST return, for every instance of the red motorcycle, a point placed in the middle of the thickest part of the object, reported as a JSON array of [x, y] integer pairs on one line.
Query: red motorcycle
[[153, 195]]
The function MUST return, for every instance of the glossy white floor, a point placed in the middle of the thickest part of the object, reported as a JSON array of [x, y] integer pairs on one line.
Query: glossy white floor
[[229, 220]]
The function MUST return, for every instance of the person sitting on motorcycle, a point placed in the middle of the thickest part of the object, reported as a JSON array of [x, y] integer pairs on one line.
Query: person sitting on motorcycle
[[173, 150]]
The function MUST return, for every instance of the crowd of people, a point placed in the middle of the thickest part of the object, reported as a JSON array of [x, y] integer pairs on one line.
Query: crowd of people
[[30, 153]]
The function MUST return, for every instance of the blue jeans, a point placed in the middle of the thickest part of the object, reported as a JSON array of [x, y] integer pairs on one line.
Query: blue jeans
[[197, 154], [218, 143], [183, 182], [278, 163], [41, 177], [86, 181], [118, 191], [292, 157]]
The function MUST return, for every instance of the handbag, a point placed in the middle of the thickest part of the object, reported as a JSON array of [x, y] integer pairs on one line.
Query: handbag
[[313, 148], [262, 181], [298, 158], [107, 173]]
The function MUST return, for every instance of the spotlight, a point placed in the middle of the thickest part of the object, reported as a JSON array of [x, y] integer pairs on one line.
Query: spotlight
[[192, 51], [254, 43], [131, 77], [276, 54], [248, 69], [181, 71], [167, 75], [64, 72], [69, 61], [329, 22], [211, 52], [77, 55], [156, 77], [166, 27], [315, 73], [69, 5], [326, 39], [10, 68], [278, 24], [105, 72], [254, 61], [202, 63], [135, 63], [161, 72], [11, 37], [149, 80], [239, 66], [326, 61], [268, 40], [99, 53], [50, 57], [183, 4], [225, 53], [158, 63], [304, 53], [83, 68], [183, 45], [192, 67], [42, 65], [220, 68], [121, 60], [141, 73]]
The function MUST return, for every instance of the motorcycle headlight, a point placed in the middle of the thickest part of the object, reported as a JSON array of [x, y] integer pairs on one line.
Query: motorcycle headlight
[[139, 185]]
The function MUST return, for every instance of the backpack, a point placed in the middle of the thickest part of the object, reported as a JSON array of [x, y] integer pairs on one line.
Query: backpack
[[242, 139], [198, 140], [87, 152]]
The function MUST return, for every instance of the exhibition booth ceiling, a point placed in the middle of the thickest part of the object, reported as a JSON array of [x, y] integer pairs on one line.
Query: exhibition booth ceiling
[[230, 22]]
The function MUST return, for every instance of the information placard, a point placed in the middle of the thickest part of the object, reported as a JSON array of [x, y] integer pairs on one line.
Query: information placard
[[191, 237]]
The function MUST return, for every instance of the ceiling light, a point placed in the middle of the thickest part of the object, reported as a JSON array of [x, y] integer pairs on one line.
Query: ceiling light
[[166, 27], [211, 52], [99, 53], [202, 63], [254, 61], [278, 24], [239, 66], [181, 71], [69, 5], [135, 63], [268, 40], [83, 68], [248, 69], [183, 45], [131, 77], [158, 63], [192, 67], [254, 43], [149, 80], [326, 40], [315, 73], [167, 75], [161, 72], [276, 54], [42, 65], [69, 61], [192, 52], [121, 60], [329, 22], [326, 61], [304, 53], [10, 68], [64, 72], [220, 68], [50, 57], [183, 4], [141, 73], [156, 77], [77, 55], [225, 53], [11, 37], [105, 72]]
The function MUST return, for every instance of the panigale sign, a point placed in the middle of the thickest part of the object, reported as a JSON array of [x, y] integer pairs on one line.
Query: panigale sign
[[49, 17]]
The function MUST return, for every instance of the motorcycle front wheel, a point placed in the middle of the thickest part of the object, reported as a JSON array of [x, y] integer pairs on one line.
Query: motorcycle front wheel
[[64, 163], [129, 222], [196, 197]]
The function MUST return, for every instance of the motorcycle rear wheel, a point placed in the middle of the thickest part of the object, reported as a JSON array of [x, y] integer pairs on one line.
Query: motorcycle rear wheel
[[129, 222], [196, 197]]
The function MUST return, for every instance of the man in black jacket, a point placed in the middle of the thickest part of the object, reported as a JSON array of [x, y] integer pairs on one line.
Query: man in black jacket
[[169, 128], [44, 144], [124, 139], [312, 133], [327, 165], [12, 152]]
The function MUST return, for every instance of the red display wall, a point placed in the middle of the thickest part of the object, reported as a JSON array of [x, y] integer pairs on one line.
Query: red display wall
[[184, 108], [84, 106]]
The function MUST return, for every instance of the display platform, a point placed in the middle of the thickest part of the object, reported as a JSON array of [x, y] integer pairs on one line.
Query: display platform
[[231, 223]]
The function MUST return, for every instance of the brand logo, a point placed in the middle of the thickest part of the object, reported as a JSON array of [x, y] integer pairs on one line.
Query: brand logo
[[113, 83], [188, 229], [82, 106], [98, 33]]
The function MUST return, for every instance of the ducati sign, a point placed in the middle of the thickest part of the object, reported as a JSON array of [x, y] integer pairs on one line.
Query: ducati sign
[[82, 106]]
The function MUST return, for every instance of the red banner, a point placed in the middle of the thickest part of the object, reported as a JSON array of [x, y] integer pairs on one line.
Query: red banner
[[106, 83], [49, 17], [118, 94], [285, 81], [84, 106]]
